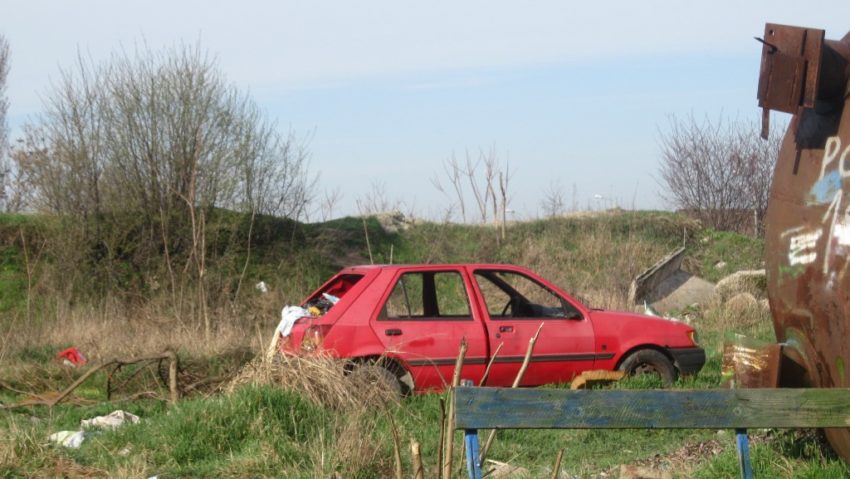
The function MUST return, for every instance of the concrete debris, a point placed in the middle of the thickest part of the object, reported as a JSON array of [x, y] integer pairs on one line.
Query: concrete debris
[[640, 472], [742, 303], [393, 221], [746, 281], [501, 470], [667, 287], [681, 290]]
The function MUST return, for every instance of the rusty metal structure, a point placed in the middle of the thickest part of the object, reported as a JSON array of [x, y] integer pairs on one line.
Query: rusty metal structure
[[808, 216]]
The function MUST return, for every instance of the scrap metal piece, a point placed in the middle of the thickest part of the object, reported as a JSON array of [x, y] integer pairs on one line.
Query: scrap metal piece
[[790, 67], [748, 364]]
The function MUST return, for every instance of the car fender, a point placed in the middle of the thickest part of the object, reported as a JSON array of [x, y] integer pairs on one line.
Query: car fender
[[618, 359]]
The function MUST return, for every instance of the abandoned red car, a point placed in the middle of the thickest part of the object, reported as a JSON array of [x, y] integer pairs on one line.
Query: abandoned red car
[[410, 319]]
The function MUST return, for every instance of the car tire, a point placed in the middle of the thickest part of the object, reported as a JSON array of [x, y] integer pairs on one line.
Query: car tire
[[650, 361], [375, 381]]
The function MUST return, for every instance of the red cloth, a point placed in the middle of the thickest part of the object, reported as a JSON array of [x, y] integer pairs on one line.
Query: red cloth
[[72, 355]]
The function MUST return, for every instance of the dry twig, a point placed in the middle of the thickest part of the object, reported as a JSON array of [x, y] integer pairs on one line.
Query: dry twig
[[52, 401], [450, 422], [517, 380]]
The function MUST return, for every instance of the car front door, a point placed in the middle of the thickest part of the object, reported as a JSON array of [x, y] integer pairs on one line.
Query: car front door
[[516, 305]]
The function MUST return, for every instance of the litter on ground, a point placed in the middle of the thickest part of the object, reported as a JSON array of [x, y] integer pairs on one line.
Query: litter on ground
[[112, 421], [70, 439]]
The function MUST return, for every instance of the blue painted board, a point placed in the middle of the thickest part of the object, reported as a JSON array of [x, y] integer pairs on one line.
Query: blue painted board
[[501, 408]]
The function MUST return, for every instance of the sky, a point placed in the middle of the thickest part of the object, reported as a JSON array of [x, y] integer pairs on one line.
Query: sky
[[573, 96]]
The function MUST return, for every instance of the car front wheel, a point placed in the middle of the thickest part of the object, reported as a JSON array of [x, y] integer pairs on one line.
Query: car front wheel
[[650, 361]]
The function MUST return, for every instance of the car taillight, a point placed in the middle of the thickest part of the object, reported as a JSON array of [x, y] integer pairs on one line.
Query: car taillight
[[313, 336]]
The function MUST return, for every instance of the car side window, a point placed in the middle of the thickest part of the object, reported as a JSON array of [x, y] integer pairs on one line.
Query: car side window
[[512, 295], [428, 295]]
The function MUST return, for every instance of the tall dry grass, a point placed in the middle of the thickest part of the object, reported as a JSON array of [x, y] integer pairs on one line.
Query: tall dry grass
[[594, 259], [114, 329]]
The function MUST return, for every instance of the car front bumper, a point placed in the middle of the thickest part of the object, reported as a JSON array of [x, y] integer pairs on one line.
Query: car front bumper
[[688, 360]]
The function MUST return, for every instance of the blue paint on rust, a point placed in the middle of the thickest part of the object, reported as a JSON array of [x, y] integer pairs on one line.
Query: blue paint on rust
[[825, 189]]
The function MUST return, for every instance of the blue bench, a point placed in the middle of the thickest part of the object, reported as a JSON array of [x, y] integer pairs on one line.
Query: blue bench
[[739, 409]]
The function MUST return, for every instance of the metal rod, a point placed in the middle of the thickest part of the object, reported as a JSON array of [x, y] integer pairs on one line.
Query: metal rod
[[743, 445]]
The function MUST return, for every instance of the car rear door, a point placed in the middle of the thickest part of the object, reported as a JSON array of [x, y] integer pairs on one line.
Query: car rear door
[[424, 315], [515, 306]]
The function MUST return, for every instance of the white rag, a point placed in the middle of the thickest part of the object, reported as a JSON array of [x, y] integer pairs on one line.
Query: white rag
[[288, 317], [72, 439], [113, 420]]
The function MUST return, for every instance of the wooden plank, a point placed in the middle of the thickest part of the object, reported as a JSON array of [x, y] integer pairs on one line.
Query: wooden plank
[[500, 408]]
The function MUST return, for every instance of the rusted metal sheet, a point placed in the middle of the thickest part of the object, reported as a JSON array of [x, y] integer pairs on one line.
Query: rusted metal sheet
[[790, 66], [751, 366], [808, 216]]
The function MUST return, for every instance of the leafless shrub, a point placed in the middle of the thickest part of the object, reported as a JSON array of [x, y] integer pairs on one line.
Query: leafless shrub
[[719, 171], [553, 202], [147, 153], [484, 179], [377, 200]]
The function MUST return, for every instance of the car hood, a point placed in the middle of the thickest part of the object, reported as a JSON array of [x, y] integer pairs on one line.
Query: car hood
[[609, 316]]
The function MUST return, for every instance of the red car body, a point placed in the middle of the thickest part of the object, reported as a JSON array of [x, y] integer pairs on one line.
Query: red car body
[[414, 317]]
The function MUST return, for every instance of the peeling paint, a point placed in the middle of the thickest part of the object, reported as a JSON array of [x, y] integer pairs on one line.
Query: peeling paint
[[825, 188]]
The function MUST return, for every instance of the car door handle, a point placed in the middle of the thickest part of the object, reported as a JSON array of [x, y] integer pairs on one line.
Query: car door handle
[[506, 329], [392, 332]]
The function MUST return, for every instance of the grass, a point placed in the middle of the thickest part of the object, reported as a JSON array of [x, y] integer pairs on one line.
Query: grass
[[301, 419], [738, 252], [292, 423]]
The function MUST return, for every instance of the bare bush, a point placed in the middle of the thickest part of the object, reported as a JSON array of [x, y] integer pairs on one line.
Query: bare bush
[[719, 171], [377, 200], [149, 153], [553, 202]]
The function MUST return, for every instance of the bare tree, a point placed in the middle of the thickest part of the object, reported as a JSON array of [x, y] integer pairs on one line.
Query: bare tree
[[483, 178], [553, 202], [148, 152], [455, 175], [5, 165], [719, 171], [329, 201]]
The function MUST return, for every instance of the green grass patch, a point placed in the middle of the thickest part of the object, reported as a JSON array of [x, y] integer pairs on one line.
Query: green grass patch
[[739, 252]]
